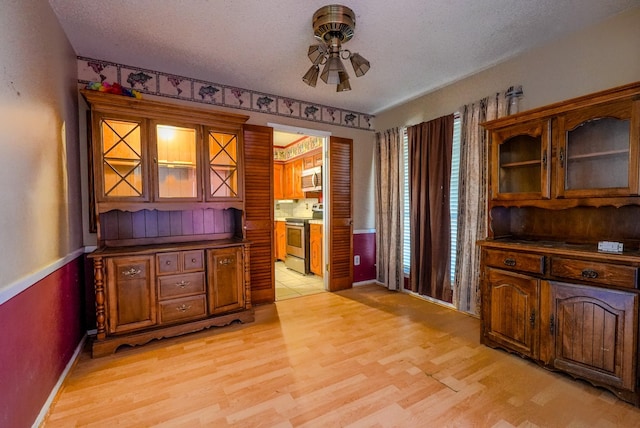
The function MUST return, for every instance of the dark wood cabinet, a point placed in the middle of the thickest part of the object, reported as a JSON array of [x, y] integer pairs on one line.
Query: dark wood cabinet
[[563, 178], [593, 332], [131, 293], [510, 311], [598, 150], [169, 209], [522, 158], [226, 280]]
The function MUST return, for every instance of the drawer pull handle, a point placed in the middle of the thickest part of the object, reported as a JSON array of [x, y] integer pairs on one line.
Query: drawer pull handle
[[510, 262], [226, 261], [182, 283], [183, 308], [132, 272], [589, 274]]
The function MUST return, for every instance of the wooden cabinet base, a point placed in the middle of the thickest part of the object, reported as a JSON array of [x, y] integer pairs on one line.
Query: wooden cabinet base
[[101, 348]]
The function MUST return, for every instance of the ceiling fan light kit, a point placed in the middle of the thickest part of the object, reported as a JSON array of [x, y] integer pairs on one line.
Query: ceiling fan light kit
[[333, 25]]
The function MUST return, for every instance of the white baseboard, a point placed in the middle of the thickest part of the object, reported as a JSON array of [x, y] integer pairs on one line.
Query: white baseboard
[[56, 388]]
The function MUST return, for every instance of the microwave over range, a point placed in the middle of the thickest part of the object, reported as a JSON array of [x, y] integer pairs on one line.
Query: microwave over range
[[312, 179]]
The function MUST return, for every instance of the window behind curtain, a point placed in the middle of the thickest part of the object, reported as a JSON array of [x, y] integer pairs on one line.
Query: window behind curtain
[[453, 199]]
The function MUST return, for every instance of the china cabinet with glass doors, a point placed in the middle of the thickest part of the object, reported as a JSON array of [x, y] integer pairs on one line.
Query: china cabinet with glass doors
[[563, 180], [167, 192]]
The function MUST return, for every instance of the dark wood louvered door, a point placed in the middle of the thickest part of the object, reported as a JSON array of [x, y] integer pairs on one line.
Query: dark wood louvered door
[[258, 191], [340, 212]]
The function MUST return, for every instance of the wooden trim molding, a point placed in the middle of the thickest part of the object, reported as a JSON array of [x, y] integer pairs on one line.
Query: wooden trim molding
[[17, 287]]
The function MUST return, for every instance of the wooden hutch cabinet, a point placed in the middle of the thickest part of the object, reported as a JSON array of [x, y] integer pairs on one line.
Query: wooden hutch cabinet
[[563, 179], [167, 188]]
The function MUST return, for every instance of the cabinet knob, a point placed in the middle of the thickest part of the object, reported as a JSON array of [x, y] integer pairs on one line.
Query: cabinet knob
[[167, 262], [193, 260], [131, 272], [183, 308]]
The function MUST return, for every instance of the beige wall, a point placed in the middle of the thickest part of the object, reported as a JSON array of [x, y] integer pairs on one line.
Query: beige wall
[[597, 58], [39, 168]]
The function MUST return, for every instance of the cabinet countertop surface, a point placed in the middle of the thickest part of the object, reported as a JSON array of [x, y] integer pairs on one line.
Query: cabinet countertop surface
[[553, 247]]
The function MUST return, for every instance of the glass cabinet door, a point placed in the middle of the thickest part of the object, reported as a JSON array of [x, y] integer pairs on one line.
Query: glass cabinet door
[[177, 162], [223, 178], [520, 157], [597, 153], [122, 160]]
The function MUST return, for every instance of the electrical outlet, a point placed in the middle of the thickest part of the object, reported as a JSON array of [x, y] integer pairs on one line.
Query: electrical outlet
[[356, 260]]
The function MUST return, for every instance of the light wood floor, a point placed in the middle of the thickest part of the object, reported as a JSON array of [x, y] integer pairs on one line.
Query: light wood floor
[[364, 357]]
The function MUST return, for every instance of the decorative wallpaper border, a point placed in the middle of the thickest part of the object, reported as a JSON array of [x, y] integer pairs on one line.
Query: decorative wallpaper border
[[200, 91], [296, 149]]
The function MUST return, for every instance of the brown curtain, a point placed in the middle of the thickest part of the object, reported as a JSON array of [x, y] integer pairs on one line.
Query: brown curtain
[[430, 145]]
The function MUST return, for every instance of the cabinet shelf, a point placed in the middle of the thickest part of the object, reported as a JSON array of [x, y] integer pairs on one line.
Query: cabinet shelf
[[176, 164], [599, 155], [521, 163]]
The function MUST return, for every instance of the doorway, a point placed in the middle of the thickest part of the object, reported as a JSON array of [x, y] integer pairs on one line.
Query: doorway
[[299, 212]]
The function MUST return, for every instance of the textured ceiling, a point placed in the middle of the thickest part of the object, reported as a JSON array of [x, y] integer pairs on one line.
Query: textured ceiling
[[414, 46]]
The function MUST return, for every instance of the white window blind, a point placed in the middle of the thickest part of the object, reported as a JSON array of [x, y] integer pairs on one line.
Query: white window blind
[[453, 199], [406, 230]]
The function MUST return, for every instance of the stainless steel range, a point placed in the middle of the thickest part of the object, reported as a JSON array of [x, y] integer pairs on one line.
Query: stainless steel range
[[297, 232]]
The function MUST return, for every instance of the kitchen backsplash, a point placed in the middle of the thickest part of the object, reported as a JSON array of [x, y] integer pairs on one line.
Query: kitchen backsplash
[[299, 208]]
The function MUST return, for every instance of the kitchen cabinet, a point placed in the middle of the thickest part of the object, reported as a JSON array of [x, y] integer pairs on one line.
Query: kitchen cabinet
[[563, 178], [316, 249], [278, 191], [167, 187], [280, 240], [312, 159], [292, 179]]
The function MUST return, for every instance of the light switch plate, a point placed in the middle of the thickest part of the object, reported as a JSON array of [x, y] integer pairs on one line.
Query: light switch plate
[[610, 247]]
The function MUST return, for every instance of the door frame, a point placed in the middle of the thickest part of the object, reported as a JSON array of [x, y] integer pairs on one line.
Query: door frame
[[277, 127]]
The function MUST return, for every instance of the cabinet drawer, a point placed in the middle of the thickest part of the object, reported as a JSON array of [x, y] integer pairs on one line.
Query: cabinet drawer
[[168, 263], [173, 286], [533, 263], [131, 271], [600, 273], [183, 309], [193, 260]]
